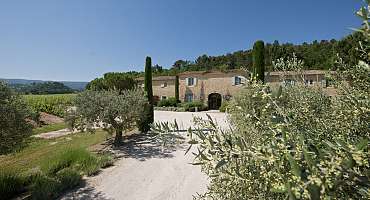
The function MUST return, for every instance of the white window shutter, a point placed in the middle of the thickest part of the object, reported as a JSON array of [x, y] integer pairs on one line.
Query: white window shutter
[[233, 80], [243, 79], [195, 81], [187, 81]]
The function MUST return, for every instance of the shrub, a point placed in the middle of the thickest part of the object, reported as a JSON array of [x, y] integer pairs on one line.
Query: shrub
[[13, 113], [170, 102], [190, 106], [224, 106], [44, 187], [78, 159], [69, 178], [145, 119], [11, 183]]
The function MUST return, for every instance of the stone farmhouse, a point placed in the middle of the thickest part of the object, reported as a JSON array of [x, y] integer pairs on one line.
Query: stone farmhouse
[[213, 87]]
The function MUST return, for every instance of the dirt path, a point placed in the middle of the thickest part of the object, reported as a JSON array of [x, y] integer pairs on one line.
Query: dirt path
[[147, 172]]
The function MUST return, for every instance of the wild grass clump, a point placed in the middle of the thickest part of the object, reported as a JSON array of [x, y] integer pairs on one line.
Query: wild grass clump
[[11, 183], [78, 159], [44, 187], [56, 175], [224, 106]]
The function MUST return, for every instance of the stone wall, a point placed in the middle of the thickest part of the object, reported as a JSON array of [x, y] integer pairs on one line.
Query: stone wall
[[208, 83]]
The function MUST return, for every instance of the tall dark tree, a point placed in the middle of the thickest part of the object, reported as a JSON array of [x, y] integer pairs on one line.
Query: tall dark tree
[[148, 79], [259, 60], [148, 117], [177, 96]]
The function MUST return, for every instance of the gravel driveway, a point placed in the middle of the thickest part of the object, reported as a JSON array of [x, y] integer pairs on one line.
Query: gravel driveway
[[147, 172]]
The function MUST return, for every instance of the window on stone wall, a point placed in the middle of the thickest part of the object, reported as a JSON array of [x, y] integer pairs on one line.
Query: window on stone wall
[[289, 82], [323, 83], [190, 81], [309, 82], [163, 85], [163, 97], [238, 80]]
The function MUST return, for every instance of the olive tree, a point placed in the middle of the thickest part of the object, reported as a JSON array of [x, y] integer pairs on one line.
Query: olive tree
[[115, 111], [14, 129], [293, 143]]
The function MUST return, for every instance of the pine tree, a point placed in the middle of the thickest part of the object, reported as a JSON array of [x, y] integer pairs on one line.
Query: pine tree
[[259, 60]]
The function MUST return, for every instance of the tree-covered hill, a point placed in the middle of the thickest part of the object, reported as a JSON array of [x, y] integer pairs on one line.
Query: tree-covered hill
[[42, 88], [316, 55]]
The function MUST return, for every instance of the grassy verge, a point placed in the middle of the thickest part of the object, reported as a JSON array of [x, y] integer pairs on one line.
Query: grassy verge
[[48, 167], [49, 128]]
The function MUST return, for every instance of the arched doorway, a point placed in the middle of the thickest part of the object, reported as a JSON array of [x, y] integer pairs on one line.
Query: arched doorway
[[214, 101]]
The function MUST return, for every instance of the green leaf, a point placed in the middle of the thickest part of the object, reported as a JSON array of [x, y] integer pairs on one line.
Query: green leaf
[[220, 163], [362, 144], [198, 163], [193, 142], [188, 149], [294, 165]]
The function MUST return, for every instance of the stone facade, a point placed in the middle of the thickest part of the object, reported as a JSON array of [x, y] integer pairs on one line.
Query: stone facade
[[163, 86], [206, 83], [212, 87], [309, 77]]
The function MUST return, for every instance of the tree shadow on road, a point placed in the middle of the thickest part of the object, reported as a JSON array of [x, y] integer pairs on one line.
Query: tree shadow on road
[[143, 146], [84, 192]]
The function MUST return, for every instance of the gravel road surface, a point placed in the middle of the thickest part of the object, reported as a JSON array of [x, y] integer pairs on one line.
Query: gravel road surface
[[148, 172]]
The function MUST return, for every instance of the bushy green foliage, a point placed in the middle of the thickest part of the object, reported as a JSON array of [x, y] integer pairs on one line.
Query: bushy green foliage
[[190, 106], [13, 113], [170, 102], [53, 104], [259, 60], [42, 88], [115, 111], [11, 184], [119, 81], [78, 159], [316, 55], [224, 106], [68, 178], [56, 175], [297, 144], [44, 187]]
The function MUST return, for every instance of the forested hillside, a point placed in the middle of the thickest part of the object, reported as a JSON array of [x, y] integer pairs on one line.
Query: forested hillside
[[42, 88], [316, 55]]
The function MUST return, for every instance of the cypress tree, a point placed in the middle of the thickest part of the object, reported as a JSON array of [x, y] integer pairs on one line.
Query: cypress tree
[[148, 79], [177, 96], [259, 61], [148, 115]]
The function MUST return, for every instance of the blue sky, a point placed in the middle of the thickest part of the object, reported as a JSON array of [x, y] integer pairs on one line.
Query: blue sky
[[82, 39]]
